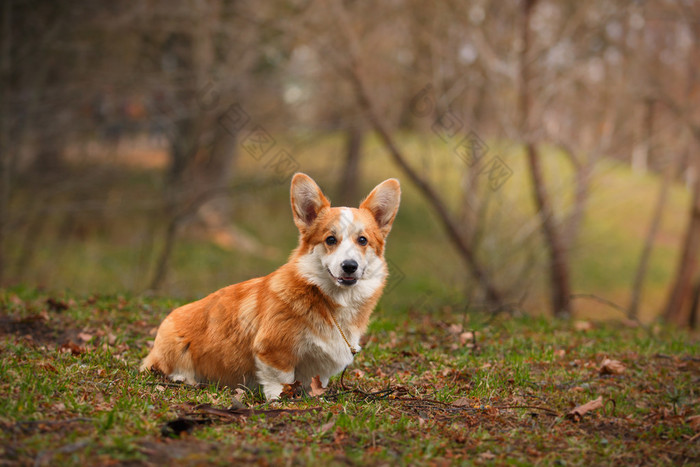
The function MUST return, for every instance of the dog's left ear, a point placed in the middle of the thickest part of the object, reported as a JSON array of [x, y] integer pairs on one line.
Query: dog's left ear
[[307, 201], [383, 203]]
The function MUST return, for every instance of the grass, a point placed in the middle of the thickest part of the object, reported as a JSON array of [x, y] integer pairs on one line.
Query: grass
[[85, 403]]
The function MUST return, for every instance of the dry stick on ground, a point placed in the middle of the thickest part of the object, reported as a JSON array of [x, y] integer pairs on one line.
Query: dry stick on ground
[[385, 393], [352, 72], [54, 422]]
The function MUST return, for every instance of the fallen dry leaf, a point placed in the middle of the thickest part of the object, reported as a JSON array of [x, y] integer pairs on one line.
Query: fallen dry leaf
[[583, 326], [84, 336], [111, 338], [694, 422], [611, 367], [461, 402], [291, 391], [72, 347], [317, 388], [468, 338], [56, 305], [59, 407], [327, 426], [358, 373], [578, 412], [47, 366], [16, 300], [488, 455]]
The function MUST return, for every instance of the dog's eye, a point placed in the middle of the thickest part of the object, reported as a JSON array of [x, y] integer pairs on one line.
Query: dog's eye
[[331, 240], [362, 241]]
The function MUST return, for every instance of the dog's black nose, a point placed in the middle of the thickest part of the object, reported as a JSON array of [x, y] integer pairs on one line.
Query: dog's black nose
[[349, 266]]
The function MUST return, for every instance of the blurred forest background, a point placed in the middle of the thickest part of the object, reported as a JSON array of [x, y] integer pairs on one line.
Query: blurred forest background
[[549, 151]]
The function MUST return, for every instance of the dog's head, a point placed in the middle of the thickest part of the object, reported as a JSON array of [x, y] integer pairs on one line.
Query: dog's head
[[343, 247]]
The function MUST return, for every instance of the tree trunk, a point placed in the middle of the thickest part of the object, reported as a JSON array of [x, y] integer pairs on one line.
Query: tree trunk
[[198, 178], [558, 261], [193, 160], [350, 178], [695, 307], [633, 310], [4, 133], [641, 156], [163, 264], [471, 214], [678, 307], [582, 182]]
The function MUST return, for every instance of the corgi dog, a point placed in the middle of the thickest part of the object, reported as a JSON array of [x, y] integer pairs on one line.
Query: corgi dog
[[303, 320]]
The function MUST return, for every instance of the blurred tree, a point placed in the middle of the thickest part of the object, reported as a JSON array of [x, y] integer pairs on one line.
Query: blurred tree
[[682, 304], [353, 67], [5, 51], [191, 65], [559, 263], [350, 177], [82, 82]]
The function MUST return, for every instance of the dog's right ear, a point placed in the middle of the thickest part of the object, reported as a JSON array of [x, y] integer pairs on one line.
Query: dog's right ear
[[307, 201]]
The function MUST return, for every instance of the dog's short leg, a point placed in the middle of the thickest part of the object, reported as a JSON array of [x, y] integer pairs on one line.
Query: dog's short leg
[[272, 379]]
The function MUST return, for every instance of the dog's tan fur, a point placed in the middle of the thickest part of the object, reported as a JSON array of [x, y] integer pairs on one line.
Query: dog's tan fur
[[276, 324]]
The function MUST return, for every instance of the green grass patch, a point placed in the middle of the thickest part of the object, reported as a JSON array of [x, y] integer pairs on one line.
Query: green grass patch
[[467, 389]]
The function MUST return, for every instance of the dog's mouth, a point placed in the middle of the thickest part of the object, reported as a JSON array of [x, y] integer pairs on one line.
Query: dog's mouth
[[343, 280]]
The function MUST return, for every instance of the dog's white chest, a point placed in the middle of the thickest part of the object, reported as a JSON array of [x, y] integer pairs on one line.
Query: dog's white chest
[[327, 354]]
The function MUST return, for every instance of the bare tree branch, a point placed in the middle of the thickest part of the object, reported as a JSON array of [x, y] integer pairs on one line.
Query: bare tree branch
[[352, 72]]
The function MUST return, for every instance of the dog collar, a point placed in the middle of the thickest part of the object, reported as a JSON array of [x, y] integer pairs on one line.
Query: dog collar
[[353, 350]]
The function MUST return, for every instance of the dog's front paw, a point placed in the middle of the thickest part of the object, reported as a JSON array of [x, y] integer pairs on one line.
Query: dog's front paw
[[272, 391], [272, 379]]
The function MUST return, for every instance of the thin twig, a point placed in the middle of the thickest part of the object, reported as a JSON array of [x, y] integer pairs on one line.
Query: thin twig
[[55, 422], [531, 407], [166, 384], [602, 300], [614, 305]]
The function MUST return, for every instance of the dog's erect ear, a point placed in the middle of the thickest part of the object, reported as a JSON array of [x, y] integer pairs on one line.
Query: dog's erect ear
[[307, 200], [383, 203]]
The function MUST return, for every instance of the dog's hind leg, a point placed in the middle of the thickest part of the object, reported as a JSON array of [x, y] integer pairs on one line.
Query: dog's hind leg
[[170, 355]]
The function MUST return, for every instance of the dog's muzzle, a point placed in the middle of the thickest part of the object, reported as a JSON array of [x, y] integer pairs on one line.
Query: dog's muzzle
[[344, 280]]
